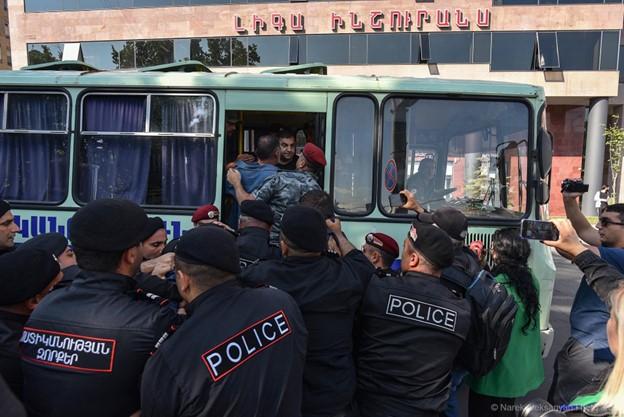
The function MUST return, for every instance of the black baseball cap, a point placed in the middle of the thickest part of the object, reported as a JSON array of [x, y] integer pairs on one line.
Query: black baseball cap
[[432, 242], [212, 246], [449, 219]]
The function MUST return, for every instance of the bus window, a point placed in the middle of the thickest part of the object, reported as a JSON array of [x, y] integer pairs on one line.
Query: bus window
[[469, 154], [34, 147], [154, 149], [353, 157]]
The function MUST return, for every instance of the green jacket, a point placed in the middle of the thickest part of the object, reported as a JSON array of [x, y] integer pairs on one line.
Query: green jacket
[[521, 369]]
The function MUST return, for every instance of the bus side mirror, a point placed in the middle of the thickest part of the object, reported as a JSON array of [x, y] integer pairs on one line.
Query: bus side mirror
[[544, 165]]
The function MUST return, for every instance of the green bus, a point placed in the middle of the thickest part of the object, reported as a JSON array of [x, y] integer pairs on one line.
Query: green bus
[[161, 137]]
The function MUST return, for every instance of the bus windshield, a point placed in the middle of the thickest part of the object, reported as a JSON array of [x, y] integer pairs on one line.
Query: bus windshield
[[468, 154]]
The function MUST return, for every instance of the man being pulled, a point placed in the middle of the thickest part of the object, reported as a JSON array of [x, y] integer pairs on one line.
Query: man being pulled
[[285, 188], [412, 328], [8, 228], [241, 351]]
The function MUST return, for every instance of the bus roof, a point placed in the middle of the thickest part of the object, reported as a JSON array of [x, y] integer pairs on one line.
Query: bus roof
[[263, 81]]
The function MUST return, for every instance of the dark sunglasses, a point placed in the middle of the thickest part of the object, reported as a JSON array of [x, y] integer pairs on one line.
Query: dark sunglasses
[[604, 222]]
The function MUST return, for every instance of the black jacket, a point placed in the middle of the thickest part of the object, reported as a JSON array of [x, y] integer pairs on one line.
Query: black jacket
[[11, 326], [253, 245], [239, 354], [84, 347], [328, 292], [412, 327]]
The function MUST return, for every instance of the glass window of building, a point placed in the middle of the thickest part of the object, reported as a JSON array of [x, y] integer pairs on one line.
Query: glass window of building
[[482, 41], [424, 48], [354, 155], [621, 63], [450, 47], [109, 55], [389, 48], [240, 56], [212, 51], [512, 51], [357, 49], [42, 53], [468, 154], [609, 50], [547, 50], [118, 158], [328, 49], [270, 50], [34, 145], [156, 52], [181, 50], [579, 51]]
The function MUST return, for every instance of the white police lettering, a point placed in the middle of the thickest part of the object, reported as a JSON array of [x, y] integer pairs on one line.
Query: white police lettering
[[421, 312], [244, 345], [84, 353]]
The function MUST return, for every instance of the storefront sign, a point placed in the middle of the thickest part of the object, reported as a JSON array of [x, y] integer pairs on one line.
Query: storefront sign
[[376, 20]]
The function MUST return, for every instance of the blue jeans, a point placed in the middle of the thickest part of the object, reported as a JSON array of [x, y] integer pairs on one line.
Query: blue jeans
[[452, 406]]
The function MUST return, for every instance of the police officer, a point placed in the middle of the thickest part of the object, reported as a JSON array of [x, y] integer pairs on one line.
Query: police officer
[[28, 275], [328, 291], [253, 233], [285, 188], [8, 228], [381, 250], [84, 347], [242, 350], [56, 244], [412, 327]]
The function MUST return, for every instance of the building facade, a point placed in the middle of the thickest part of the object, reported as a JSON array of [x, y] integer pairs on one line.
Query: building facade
[[573, 48]]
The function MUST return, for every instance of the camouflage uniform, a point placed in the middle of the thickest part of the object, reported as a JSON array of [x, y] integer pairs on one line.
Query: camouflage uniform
[[283, 190]]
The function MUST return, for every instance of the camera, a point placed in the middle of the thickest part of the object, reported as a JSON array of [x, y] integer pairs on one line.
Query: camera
[[573, 186]]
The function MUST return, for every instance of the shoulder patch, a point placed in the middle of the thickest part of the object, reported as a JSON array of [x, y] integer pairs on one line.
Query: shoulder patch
[[421, 312], [233, 352], [67, 350]]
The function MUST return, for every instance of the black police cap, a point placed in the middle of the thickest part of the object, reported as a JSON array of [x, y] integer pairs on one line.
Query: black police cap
[[25, 273], [305, 228], [209, 245], [53, 243], [108, 225], [432, 242], [153, 225], [4, 207], [257, 209]]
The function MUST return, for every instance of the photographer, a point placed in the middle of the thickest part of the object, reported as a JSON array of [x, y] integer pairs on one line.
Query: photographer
[[586, 354], [604, 399]]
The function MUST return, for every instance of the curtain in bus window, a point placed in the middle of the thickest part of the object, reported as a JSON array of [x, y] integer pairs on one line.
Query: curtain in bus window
[[115, 166], [35, 165], [188, 163]]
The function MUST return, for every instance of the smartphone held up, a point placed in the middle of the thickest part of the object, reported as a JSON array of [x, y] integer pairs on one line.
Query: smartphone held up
[[538, 230]]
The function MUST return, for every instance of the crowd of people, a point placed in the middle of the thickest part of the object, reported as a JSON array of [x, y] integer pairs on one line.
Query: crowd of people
[[285, 316]]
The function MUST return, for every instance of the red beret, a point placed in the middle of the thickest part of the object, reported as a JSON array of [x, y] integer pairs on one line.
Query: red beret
[[207, 212], [383, 242], [314, 154]]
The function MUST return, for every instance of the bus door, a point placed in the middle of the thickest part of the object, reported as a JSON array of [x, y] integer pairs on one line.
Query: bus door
[[252, 114]]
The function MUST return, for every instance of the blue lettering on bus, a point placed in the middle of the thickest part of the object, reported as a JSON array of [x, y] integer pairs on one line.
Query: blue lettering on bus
[[36, 225]]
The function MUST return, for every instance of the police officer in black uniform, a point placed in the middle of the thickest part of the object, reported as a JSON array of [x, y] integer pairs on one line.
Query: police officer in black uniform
[[256, 218], [84, 347], [412, 327], [242, 350], [381, 250], [328, 291], [27, 277], [57, 245]]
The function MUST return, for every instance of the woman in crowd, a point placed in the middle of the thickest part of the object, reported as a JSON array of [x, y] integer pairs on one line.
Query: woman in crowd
[[521, 369]]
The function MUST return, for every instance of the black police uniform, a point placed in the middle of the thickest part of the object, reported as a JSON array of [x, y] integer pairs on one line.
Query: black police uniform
[[11, 407], [69, 275], [328, 292], [240, 353], [253, 245], [84, 347], [385, 272], [412, 327], [11, 326]]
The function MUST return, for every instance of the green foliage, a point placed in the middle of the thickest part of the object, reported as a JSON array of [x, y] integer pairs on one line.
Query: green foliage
[[45, 55], [614, 139]]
